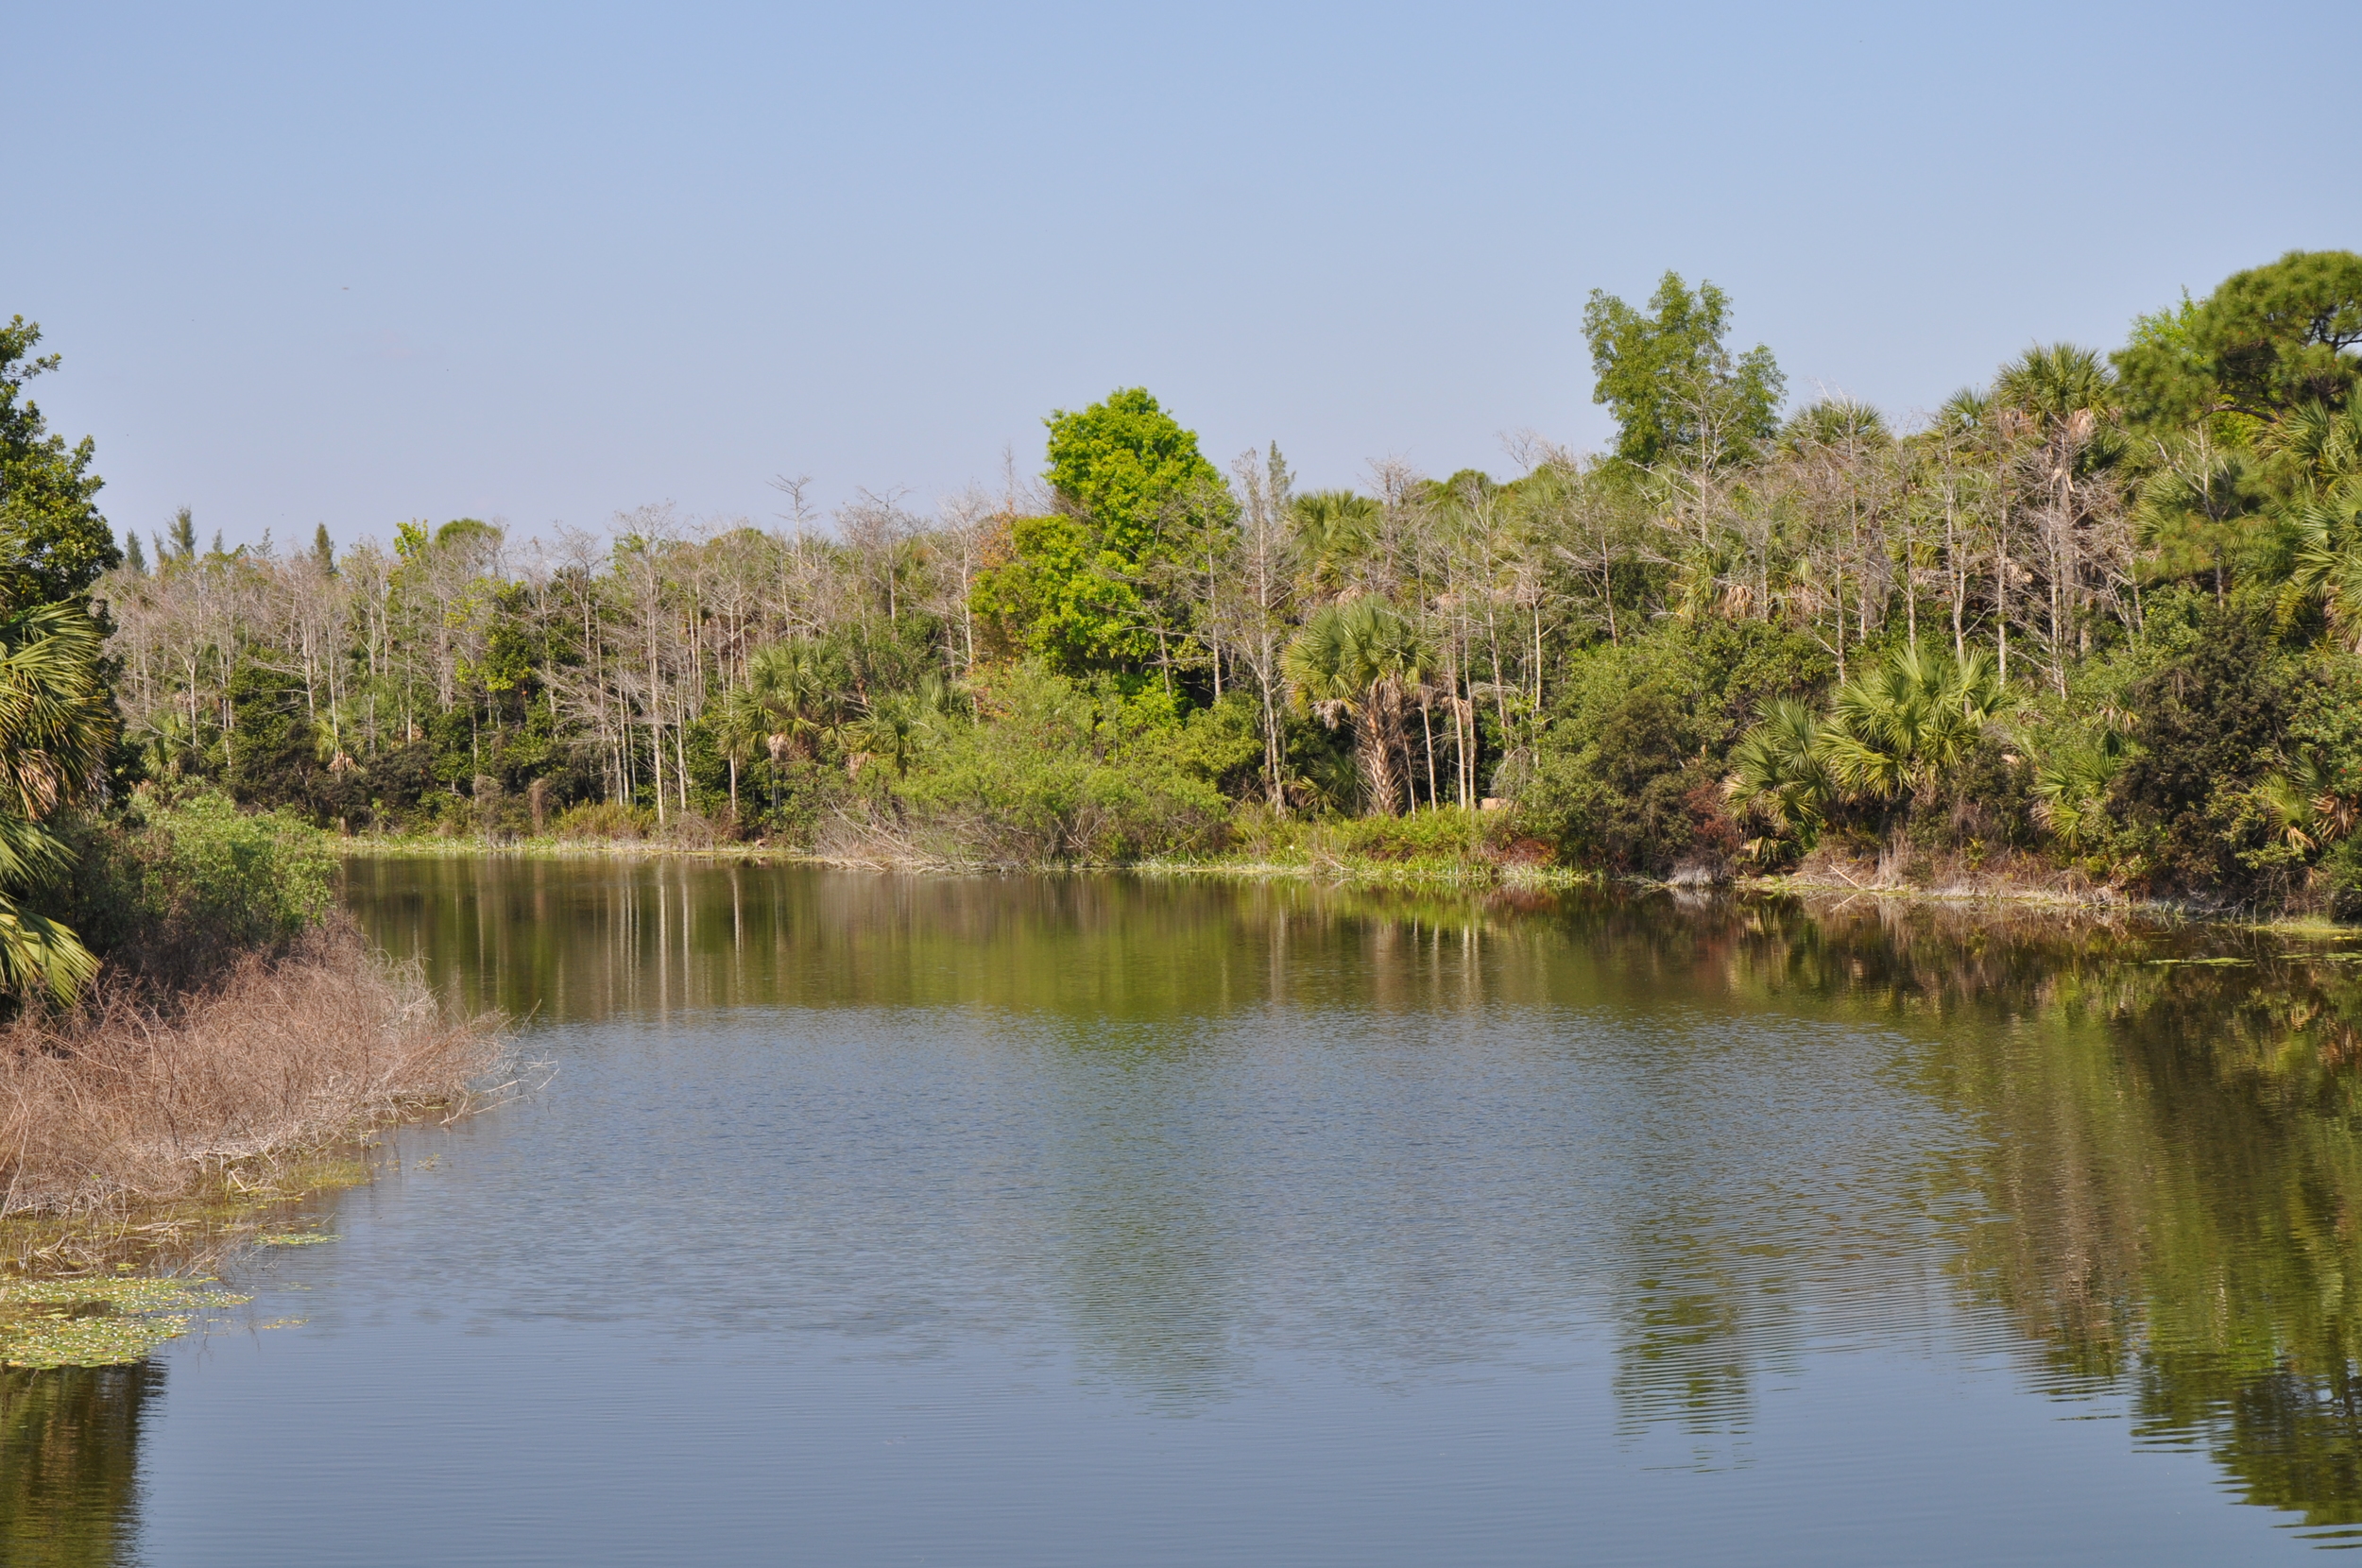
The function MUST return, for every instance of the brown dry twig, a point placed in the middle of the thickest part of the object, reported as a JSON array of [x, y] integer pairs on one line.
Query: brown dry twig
[[294, 1050]]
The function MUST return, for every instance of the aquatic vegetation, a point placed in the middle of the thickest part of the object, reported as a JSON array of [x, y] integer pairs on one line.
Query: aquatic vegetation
[[88, 1295], [100, 1321]]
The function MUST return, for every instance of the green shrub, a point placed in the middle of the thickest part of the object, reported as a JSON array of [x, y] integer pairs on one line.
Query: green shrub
[[1629, 772], [1447, 833], [2210, 725], [1054, 771], [2338, 879], [175, 890]]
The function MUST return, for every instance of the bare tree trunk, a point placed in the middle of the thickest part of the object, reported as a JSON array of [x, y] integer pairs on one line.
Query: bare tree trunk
[[1426, 724], [1374, 747]]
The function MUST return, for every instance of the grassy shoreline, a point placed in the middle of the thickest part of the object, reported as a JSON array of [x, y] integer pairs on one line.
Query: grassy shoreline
[[1347, 869]]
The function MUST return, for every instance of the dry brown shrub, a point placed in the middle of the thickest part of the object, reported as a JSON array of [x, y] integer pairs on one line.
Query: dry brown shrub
[[290, 1051]]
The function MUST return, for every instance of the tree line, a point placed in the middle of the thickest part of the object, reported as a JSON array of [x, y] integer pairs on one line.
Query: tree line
[[2097, 615]]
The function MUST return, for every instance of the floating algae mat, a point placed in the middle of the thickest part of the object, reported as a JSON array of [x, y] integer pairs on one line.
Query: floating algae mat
[[92, 1320]]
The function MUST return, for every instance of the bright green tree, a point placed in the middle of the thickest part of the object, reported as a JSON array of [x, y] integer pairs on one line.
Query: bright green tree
[[1127, 465], [53, 542], [1085, 589], [1065, 599], [1677, 392]]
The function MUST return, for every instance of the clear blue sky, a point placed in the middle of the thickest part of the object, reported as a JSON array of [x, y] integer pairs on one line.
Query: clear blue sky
[[354, 265]]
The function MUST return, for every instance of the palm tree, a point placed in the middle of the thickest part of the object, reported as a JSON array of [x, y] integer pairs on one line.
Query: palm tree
[[2328, 521], [56, 727], [2070, 787], [1836, 422], [790, 700], [2329, 560], [744, 729], [1333, 530], [1892, 734], [2310, 801], [1902, 725], [899, 724], [2325, 445], [1779, 773], [2057, 386], [1360, 661], [790, 682]]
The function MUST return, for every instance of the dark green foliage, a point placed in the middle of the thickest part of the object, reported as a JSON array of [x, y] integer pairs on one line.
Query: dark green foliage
[[53, 543], [2209, 725], [1985, 804], [2340, 879], [1626, 796], [1056, 771], [170, 891], [274, 752], [399, 778], [2266, 341], [1632, 765]]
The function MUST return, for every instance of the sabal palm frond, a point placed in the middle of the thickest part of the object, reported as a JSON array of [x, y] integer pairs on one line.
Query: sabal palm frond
[[1895, 730], [1967, 412], [1909, 718], [1358, 661], [790, 689], [1836, 422], [2326, 441], [900, 725], [2329, 560], [1777, 770], [55, 723], [2060, 385], [41, 954], [56, 727], [2312, 803], [1333, 527], [2070, 789]]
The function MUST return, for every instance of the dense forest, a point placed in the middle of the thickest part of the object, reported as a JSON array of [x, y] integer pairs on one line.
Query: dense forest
[[2097, 619]]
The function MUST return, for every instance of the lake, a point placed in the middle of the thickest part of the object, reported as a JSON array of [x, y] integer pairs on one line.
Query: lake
[[855, 1218]]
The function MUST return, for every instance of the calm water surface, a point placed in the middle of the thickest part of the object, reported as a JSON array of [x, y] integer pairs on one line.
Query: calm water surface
[[865, 1219]]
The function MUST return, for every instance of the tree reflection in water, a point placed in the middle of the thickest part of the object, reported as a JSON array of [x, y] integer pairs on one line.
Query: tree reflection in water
[[2170, 1173], [2131, 1151], [69, 1464]]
